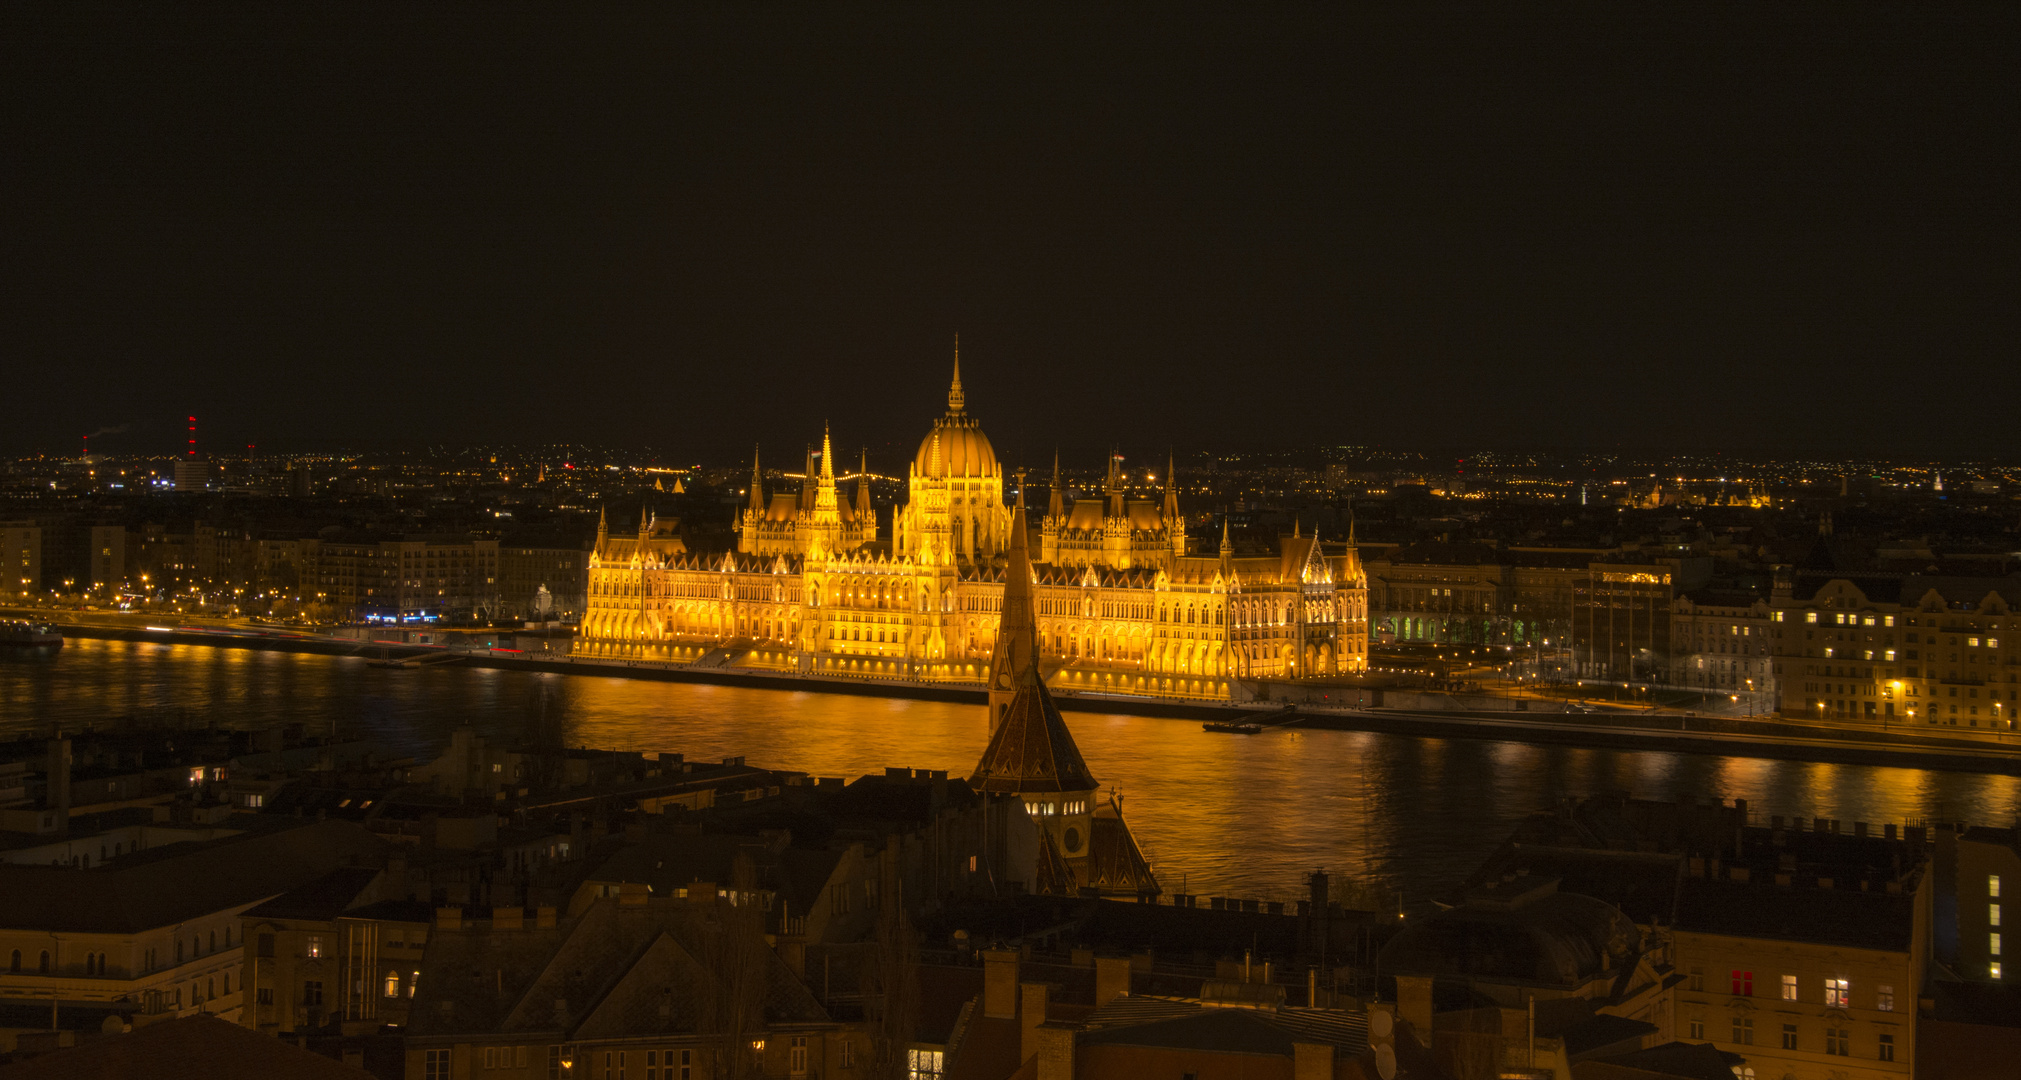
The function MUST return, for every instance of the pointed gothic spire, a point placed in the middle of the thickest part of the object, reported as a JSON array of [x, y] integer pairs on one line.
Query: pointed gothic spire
[[757, 483], [1171, 490], [1056, 506], [1014, 660], [863, 487], [1225, 546], [827, 456], [1294, 526], [956, 400]]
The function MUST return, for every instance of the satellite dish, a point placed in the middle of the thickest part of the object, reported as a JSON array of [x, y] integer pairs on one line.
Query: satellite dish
[[1380, 1024], [1385, 1062]]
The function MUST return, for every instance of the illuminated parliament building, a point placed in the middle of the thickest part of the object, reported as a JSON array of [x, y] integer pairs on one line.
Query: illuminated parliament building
[[1123, 605]]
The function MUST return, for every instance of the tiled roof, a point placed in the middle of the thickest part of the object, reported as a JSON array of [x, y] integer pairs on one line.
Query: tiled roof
[[324, 898], [657, 967], [1844, 917], [1032, 750], [192, 1048], [175, 885]]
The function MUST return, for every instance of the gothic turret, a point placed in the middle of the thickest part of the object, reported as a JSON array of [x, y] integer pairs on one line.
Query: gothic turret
[[1175, 526], [863, 511]]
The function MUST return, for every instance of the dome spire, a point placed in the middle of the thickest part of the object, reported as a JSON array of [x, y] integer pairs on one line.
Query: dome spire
[[956, 400]]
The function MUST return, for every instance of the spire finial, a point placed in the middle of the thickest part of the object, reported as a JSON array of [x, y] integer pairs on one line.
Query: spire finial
[[956, 400], [827, 454], [1224, 532]]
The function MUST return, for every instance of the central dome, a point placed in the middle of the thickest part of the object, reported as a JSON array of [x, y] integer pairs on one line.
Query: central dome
[[964, 450]]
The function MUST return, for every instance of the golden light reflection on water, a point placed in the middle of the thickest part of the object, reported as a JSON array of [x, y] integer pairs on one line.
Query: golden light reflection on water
[[1218, 814]]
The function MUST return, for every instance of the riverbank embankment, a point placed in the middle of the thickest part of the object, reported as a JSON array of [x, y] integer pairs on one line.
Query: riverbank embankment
[[1765, 737]]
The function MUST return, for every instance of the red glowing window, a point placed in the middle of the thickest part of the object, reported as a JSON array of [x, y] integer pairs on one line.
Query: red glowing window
[[1743, 983]]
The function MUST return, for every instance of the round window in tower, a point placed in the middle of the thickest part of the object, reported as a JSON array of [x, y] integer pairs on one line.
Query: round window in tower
[[1073, 840]]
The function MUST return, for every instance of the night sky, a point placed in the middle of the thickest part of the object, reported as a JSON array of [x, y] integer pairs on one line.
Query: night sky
[[1777, 228]]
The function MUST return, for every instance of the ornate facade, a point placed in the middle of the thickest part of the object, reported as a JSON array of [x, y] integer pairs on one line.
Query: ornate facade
[[1122, 604]]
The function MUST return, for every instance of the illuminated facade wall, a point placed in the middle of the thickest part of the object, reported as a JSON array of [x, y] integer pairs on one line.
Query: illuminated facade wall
[[1721, 644], [813, 593], [1947, 652]]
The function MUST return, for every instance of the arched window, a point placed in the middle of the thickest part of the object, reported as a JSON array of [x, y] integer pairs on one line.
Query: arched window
[[214, 941], [44, 968], [14, 964]]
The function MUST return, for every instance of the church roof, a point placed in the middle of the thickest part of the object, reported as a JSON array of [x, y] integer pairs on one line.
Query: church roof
[[1055, 877], [1032, 750], [1115, 863]]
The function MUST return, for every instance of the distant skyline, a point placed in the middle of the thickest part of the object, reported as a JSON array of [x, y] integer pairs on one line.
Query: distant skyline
[[1578, 225]]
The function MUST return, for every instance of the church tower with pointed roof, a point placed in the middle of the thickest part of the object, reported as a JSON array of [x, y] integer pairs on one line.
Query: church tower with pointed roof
[[1032, 754]]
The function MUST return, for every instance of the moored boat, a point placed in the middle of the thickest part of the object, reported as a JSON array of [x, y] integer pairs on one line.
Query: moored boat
[[19, 633]]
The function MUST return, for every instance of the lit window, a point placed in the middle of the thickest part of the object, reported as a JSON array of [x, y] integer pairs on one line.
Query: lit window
[[1810, 616], [1838, 994], [392, 984], [1992, 884], [1992, 914], [314, 949], [1743, 983], [1993, 969], [1789, 988], [922, 1065], [1993, 944]]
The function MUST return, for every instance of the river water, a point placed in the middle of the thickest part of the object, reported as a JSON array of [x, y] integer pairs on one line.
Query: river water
[[1217, 814]]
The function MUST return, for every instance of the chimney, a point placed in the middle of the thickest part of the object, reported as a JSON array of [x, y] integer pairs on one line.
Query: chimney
[[1000, 984], [57, 796], [1112, 979], [1036, 996], [1414, 1003], [1055, 1052], [1311, 1061]]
